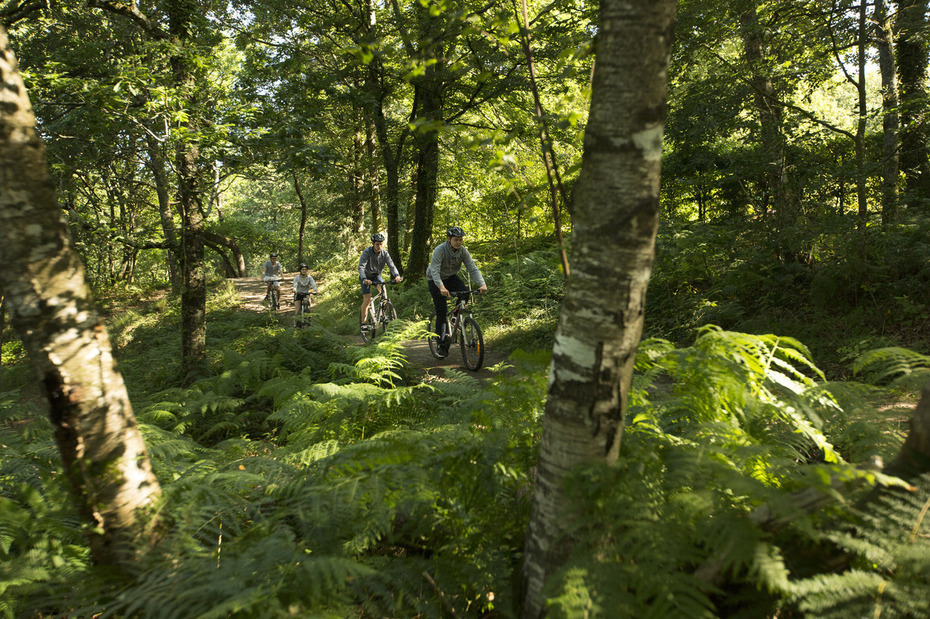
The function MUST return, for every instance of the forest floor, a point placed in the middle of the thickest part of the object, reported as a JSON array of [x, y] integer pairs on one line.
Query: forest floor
[[252, 293]]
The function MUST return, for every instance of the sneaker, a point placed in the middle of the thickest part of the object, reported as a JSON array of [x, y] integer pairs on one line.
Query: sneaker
[[442, 351]]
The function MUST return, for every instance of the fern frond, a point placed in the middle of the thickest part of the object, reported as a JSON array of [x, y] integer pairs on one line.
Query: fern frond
[[896, 366]]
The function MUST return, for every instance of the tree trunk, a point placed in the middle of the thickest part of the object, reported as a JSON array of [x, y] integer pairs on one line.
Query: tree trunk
[[53, 312], [190, 197], [914, 458], [391, 168], [769, 111], [371, 175], [600, 325], [358, 192], [218, 241], [548, 154], [911, 51], [429, 97], [890, 122], [302, 230], [861, 172], [427, 174], [156, 164]]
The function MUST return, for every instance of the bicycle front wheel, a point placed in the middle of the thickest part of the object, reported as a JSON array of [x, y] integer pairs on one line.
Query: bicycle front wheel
[[274, 298], [368, 327], [388, 313], [471, 342]]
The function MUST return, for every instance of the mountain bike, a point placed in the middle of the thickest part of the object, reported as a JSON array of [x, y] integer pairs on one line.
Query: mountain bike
[[380, 312], [461, 326], [303, 309]]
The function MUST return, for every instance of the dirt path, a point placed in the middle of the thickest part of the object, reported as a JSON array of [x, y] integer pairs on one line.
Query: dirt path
[[252, 293]]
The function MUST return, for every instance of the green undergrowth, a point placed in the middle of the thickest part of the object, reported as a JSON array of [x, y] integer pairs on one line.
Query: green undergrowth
[[304, 475], [839, 291]]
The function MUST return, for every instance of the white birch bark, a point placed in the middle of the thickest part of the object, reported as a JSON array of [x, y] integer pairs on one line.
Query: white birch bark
[[52, 311], [615, 221]]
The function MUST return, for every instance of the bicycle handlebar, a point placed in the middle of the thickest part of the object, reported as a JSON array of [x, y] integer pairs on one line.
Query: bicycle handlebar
[[463, 293]]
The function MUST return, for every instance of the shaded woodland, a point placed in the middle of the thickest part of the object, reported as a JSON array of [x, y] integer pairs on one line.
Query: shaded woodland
[[704, 228]]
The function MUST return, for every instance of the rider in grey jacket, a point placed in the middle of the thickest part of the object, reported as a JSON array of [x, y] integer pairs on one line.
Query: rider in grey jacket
[[370, 265], [442, 277]]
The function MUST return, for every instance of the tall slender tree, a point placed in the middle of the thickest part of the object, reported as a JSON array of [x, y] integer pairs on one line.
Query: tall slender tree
[[890, 121], [601, 320], [53, 312], [911, 51]]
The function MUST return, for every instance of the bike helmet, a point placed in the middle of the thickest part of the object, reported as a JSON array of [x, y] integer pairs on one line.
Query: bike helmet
[[377, 238], [302, 265], [455, 231], [274, 254]]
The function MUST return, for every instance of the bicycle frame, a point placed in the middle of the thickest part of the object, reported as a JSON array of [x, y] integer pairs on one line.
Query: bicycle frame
[[380, 312], [455, 315], [462, 328], [379, 301], [303, 309]]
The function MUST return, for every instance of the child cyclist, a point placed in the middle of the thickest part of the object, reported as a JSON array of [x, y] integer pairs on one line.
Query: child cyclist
[[271, 273], [370, 266], [303, 283]]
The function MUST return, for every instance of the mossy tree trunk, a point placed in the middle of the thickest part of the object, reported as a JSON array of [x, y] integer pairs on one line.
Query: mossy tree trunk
[[190, 193], [53, 312], [601, 320]]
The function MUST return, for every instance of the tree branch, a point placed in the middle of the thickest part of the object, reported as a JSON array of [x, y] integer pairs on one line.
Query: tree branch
[[132, 12]]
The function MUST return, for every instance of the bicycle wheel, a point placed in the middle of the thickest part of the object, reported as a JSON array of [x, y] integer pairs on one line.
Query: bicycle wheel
[[368, 327], [472, 344], [388, 313], [274, 298]]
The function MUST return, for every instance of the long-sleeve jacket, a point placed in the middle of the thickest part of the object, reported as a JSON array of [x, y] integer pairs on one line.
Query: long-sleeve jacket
[[446, 262], [371, 264], [304, 284]]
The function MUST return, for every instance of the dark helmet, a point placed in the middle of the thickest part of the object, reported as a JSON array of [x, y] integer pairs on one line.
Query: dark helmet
[[274, 254], [455, 231], [377, 238], [303, 265]]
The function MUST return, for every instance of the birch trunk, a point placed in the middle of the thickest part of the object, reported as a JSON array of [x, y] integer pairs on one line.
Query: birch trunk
[[52, 311], [615, 220]]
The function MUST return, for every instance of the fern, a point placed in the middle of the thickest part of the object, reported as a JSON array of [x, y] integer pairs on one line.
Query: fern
[[889, 562], [742, 389], [900, 367], [714, 431]]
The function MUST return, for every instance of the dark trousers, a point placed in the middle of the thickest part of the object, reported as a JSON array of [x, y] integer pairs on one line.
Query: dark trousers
[[452, 284]]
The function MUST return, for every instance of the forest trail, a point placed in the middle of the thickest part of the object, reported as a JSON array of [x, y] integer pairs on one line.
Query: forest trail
[[252, 293]]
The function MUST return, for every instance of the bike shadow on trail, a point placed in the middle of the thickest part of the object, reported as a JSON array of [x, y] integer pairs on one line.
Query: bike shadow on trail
[[252, 293], [419, 355]]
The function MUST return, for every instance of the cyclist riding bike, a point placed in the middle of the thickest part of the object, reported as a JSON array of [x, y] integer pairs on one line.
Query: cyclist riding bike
[[442, 277], [303, 283], [271, 273], [370, 265]]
